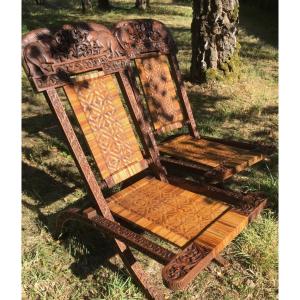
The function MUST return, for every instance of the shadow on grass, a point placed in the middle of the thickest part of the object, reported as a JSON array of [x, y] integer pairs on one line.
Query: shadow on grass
[[260, 23], [209, 120], [89, 247]]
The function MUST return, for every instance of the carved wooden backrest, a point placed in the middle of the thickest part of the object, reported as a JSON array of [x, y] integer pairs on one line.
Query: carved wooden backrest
[[50, 60], [100, 112], [149, 42]]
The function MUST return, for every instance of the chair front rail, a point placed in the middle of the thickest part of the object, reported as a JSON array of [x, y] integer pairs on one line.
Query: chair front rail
[[115, 230]]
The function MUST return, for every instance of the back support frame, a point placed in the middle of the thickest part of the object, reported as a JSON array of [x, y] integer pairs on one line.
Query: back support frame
[[49, 60], [145, 38]]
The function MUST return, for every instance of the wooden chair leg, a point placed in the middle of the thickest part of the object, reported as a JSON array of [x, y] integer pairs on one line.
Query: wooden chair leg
[[133, 267], [139, 276], [221, 261]]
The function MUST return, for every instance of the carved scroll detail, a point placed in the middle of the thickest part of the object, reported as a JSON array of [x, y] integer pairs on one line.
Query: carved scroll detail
[[242, 203], [144, 35], [185, 266], [84, 166], [50, 58]]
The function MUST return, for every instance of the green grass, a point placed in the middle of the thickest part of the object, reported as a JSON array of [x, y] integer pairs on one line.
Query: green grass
[[83, 265]]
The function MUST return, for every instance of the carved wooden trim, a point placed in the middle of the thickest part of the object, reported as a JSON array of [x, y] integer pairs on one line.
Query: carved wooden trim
[[183, 96], [123, 234], [126, 255], [186, 265], [80, 158], [50, 58], [38, 63], [143, 36], [249, 204], [141, 124]]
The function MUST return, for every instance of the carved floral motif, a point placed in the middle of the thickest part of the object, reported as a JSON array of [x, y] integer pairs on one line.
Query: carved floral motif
[[179, 272], [50, 58], [140, 36]]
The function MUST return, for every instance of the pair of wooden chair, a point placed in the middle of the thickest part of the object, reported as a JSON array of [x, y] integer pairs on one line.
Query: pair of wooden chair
[[93, 66]]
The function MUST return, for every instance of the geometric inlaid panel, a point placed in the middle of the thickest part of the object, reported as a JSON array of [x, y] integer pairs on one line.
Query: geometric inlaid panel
[[170, 212], [209, 153], [160, 93], [99, 110]]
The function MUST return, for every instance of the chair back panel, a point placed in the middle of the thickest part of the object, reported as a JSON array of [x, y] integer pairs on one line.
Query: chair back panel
[[97, 104], [160, 93], [51, 57]]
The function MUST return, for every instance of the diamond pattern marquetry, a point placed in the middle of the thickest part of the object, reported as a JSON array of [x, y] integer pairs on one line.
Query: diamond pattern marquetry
[[208, 153], [160, 93], [98, 107], [166, 210]]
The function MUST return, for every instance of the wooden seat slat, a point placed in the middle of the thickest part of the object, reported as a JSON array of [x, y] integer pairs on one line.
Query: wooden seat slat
[[209, 153], [170, 212]]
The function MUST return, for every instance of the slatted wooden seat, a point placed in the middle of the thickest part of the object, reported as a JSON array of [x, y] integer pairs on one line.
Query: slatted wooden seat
[[200, 220], [151, 46], [178, 215]]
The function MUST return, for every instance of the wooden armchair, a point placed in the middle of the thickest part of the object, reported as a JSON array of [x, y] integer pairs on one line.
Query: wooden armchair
[[150, 45], [86, 61]]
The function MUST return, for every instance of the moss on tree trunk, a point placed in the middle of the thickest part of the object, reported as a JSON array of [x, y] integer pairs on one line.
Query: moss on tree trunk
[[214, 39]]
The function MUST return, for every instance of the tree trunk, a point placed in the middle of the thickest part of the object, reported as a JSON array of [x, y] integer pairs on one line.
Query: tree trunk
[[214, 38], [103, 4], [142, 4], [85, 4]]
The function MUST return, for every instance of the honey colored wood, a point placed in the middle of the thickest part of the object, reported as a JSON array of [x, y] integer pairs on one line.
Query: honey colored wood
[[150, 44], [162, 99], [183, 217], [97, 104], [217, 236], [174, 214], [209, 153]]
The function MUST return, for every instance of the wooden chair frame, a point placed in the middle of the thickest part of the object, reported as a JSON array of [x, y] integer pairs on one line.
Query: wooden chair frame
[[50, 59], [148, 38]]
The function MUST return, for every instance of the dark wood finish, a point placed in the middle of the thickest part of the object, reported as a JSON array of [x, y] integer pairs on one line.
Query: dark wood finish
[[182, 269], [113, 229], [150, 44], [249, 204], [221, 261], [49, 60], [183, 95], [202, 221]]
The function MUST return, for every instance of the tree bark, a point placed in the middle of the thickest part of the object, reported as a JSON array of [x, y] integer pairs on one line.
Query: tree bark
[[85, 4], [104, 4], [214, 38], [142, 4]]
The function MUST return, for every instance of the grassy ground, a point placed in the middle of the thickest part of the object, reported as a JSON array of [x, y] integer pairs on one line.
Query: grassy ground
[[85, 267]]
